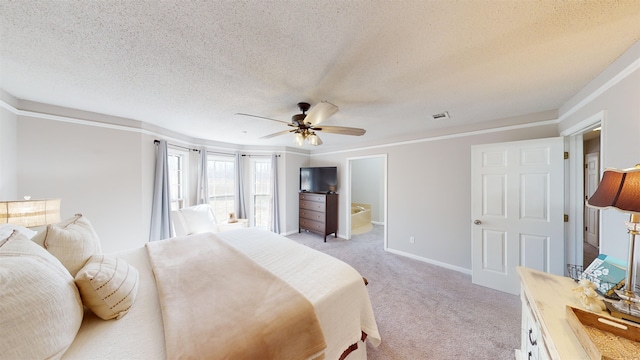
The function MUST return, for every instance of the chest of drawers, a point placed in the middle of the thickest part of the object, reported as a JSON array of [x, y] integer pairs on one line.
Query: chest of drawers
[[319, 214]]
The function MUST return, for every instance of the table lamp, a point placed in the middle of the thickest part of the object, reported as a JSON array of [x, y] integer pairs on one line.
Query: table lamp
[[30, 213], [620, 189]]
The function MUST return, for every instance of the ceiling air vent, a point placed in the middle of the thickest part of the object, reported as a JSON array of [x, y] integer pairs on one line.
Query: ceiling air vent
[[440, 116]]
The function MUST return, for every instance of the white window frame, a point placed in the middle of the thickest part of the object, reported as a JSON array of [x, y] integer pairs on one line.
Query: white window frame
[[221, 215], [179, 200], [253, 215]]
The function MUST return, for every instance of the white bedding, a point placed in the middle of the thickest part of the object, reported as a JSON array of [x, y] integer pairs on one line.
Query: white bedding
[[335, 289]]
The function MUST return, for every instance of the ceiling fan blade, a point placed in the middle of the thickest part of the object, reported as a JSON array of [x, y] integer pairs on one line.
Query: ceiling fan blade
[[262, 117], [276, 134], [320, 112], [342, 130]]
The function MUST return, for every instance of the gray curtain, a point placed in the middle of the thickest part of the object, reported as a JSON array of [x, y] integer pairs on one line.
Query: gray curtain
[[274, 224], [203, 179], [241, 209], [161, 208]]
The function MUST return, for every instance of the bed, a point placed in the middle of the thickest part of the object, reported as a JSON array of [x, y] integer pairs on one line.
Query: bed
[[335, 290]]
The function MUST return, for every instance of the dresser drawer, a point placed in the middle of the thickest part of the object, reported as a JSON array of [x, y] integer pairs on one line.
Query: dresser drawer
[[313, 197], [312, 225], [312, 205], [313, 215]]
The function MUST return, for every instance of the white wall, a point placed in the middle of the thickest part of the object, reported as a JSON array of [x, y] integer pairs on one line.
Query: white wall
[[8, 151], [289, 185], [100, 172]]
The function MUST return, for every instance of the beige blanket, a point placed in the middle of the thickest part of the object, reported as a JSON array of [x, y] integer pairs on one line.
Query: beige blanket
[[218, 304]]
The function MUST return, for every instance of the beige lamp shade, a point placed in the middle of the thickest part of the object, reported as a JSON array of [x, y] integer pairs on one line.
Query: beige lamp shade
[[30, 213]]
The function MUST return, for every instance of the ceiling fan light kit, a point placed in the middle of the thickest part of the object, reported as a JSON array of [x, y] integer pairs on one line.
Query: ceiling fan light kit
[[306, 124]]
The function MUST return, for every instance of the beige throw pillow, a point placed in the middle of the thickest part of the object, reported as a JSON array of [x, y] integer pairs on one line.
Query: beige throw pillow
[[72, 242], [40, 308], [108, 286]]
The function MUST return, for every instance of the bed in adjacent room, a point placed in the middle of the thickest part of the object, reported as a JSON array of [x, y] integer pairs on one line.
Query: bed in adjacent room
[[230, 294]]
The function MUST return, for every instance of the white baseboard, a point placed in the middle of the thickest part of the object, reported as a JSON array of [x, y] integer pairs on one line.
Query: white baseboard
[[430, 261]]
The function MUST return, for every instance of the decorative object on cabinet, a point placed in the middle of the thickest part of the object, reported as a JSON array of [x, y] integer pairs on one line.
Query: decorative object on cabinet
[[30, 213], [620, 189], [319, 213], [607, 273], [604, 337], [586, 292]]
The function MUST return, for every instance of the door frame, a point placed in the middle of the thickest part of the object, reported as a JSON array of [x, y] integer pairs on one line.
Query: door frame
[[595, 155], [350, 160], [574, 183]]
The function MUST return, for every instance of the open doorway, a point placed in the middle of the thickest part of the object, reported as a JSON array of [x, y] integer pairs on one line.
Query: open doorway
[[581, 139], [367, 194], [591, 240]]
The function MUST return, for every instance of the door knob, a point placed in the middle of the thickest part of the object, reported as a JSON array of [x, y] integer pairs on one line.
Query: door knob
[[477, 222]]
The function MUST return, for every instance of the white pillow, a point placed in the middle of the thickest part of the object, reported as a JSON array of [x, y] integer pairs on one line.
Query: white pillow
[[199, 219], [108, 286], [72, 242], [7, 229], [40, 308]]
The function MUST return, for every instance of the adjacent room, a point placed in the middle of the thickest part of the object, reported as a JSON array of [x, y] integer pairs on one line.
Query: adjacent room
[[314, 179]]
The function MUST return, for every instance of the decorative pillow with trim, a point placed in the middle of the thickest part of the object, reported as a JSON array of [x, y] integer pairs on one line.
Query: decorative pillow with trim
[[72, 241], [40, 307], [7, 229], [108, 286]]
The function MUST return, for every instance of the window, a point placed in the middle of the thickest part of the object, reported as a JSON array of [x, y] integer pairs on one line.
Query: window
[[261, 192], [222, 186], [177, 161]]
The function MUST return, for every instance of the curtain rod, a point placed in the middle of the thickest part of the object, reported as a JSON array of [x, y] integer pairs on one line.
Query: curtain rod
[[182, 147], [247, 155], [156, 141], [220, 153]]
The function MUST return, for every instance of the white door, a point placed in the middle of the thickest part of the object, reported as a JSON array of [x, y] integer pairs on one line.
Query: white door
[[592, 179], [517, 201]]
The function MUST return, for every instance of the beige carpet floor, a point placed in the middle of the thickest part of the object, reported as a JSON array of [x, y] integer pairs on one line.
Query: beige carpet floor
[[424, 311]]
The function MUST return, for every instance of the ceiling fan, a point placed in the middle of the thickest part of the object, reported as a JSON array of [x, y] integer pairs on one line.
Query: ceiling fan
[[306, 124]]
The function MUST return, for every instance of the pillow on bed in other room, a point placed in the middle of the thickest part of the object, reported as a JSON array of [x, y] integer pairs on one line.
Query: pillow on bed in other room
[[108, 286], [72, 241], [40, 308]]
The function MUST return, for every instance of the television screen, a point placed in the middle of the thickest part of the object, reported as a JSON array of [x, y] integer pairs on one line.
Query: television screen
[[319, 179]]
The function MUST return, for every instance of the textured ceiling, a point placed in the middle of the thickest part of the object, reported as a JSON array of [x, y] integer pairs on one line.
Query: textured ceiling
[[190, 66]]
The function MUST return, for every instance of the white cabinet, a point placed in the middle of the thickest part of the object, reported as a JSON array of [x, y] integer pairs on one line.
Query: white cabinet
[[546, 334]]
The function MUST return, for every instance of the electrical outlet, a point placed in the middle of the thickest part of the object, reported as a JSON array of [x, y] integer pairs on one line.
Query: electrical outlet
[[412, 240]]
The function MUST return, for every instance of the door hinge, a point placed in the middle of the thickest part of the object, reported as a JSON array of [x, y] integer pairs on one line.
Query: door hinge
[[566, 155], [586, 228], [566, 218]]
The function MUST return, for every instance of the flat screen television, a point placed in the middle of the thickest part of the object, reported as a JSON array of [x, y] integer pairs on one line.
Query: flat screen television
[[319, 179]]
